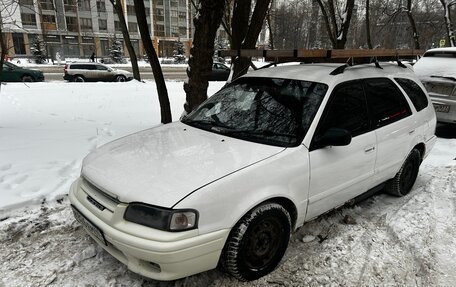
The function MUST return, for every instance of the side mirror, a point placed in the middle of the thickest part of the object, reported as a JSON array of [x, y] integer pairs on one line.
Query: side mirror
[[334, 137]]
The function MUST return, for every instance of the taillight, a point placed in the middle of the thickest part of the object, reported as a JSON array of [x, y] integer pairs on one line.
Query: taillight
[[65, 69]]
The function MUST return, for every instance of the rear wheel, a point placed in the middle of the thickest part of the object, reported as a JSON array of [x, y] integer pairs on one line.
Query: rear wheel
[[404, 180], [27, 78], [257, 242], [120, 78], [79, 79]]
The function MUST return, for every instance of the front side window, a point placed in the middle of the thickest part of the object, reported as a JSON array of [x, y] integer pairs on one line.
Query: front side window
[[386, 102], [415, 93], [346, 109], [270, 111]]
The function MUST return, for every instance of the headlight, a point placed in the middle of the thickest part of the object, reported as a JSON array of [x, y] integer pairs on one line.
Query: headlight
[[162, 218]]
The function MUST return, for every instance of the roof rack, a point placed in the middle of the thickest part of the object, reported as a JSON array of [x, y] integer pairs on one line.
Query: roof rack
[[349, 57]]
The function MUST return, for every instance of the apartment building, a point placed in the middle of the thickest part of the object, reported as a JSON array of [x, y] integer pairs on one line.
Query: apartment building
[[78, 28]]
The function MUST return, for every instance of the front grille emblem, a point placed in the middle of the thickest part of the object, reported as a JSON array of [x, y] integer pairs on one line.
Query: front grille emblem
[[95, 203]]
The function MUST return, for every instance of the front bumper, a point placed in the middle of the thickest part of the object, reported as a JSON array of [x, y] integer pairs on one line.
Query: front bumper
[[152, 253], [445, 117]]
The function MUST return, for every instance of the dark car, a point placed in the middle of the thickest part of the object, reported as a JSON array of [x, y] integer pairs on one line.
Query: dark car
[[220, 72], [13, 73]]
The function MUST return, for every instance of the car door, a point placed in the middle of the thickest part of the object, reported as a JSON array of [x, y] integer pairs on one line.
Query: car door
[[102, 73], [9, 73], [338, 174], [393, 124]]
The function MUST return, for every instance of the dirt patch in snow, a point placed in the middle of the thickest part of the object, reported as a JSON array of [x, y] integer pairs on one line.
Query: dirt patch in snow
[[381, 241]]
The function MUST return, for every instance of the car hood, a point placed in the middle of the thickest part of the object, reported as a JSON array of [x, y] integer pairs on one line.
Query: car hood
[[122, 71], [162, 165]]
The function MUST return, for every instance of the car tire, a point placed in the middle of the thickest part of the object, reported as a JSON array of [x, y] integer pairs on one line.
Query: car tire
[[257, 243], [120, 78], [27, 78], [79, 79], [404, 180]]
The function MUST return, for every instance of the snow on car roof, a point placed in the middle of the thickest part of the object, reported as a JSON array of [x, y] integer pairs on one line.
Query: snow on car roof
[[447, 49], [321, 72]]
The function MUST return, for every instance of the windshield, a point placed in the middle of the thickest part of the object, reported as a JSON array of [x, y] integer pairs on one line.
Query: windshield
[[270, 111]]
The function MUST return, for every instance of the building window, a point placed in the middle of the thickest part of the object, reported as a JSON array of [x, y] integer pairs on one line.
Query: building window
[[18, 42], [28, 20], [182, 3], [84, 5], [117, 26], [183, 15], [160, 2], [72, 24], [86, 24], [104, 47], [101, 6], [102, 25], [70, 5], [131, 10], [173, 13], [26, 2], [48, 19], [132, 27], [46, 4], [183, 31]]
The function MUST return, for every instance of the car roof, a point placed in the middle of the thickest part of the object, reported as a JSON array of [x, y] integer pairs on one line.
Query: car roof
[[446, 49], [321, 72], [85, 63]]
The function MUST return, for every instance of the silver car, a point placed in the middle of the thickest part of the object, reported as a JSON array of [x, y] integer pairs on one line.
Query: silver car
[[437, 71], [82, 72]]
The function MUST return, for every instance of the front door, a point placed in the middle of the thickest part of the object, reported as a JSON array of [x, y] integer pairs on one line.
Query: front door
[[338, 174]]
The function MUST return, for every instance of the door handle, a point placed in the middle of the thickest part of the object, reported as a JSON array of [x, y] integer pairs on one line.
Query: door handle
[[411, 132], [369, 149]]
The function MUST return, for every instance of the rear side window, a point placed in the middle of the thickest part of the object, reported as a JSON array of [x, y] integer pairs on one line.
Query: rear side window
[[347, 109], [386, 102], [82, 67], [415, 93]]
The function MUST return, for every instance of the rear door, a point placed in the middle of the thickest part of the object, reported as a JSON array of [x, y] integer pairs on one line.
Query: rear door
[[102, 73], [393, 123], [340, 173]]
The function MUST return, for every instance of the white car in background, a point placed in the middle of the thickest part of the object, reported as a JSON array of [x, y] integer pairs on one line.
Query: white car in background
[[93, 72], [437, 70], [270, 151]]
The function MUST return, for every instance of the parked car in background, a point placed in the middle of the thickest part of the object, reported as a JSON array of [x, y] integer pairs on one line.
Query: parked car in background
[[13, 73], [91, 72], [437, 70], [271, 150], [220, 72]]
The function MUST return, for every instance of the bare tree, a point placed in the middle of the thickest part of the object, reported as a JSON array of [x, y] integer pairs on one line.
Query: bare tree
[[416, 38], [7, 9], [163, 98], [246, 29], [118, 9], [368, 31], [337, 29], [448, 22], [207, 20]]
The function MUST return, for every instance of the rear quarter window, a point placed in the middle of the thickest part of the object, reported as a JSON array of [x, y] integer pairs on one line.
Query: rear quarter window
[[415, 93], [386, 102]]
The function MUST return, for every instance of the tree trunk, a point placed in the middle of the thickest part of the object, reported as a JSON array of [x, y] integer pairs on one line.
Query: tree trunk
[[345, 25], [368, 31], [3, 49], [207, 20], [118, 9], [327, 23], [416, 40], [256, 23], [165, 108], [239, 26], [448, 23]]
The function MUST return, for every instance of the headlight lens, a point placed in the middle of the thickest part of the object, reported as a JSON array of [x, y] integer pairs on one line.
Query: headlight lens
[[161, 218]]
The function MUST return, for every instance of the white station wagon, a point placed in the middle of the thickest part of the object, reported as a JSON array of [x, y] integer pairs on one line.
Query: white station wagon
[[270, 151]]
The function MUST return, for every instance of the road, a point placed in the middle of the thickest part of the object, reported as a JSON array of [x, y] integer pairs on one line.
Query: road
[[170, 73]]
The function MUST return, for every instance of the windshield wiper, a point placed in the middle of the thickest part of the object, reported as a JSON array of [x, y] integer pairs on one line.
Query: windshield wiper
[[214, 123], [444, 77], [267, 133]]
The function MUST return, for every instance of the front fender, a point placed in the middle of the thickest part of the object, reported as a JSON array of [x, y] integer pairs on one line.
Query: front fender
[[222, 203]]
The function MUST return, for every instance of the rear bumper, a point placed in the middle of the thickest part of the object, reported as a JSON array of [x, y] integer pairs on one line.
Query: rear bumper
[[67, 77], [173, 257]]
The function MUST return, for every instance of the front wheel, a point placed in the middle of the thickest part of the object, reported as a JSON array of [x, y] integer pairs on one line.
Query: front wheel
[[27, 78], [120, 78], [404, 180], [257, 242]]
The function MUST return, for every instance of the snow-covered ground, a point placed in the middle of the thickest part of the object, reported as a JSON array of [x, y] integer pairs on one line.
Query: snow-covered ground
[[47, 128]]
